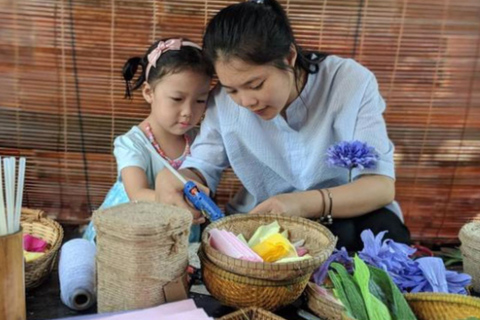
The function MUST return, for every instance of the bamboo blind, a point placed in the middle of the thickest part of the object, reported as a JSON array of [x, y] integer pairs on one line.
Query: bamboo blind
[[61, 93]]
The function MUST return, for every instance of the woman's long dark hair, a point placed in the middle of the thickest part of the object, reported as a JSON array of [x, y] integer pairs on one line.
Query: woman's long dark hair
[[257, 32]]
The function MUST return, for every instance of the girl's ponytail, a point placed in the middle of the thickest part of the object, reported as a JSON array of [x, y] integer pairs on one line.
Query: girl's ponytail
[[129, 69]]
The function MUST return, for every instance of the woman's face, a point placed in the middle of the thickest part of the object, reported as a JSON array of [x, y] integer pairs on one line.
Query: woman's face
[[263, 89]]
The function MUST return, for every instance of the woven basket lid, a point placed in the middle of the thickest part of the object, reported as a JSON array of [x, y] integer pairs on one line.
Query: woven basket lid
[[470, 233], [136, 220]]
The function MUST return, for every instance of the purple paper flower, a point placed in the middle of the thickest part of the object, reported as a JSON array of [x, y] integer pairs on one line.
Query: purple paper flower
[[340, 256], [351, 155], [422, 275]]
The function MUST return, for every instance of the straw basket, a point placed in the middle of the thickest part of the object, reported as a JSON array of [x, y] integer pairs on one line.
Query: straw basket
[[470, 237], [443, 306], [425, 306], [323, 307], [36, 224], [251, 314], [241, 292], [319, 241]]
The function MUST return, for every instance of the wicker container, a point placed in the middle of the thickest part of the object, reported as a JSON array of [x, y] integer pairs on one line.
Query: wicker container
[[251, 314], [242, 292], [470, 237], [319, 241], [443, 306], [425, 306], [323, 307], [142, 249], [36, 224]]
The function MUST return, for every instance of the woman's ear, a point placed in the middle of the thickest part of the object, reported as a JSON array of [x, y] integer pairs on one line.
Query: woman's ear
[[147, 93], [292, 56]]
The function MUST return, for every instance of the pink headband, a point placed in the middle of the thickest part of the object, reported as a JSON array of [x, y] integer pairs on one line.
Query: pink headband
[[164, 46]]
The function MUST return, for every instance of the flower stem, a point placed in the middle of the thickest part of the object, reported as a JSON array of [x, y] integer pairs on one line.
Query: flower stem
[[350, 175]]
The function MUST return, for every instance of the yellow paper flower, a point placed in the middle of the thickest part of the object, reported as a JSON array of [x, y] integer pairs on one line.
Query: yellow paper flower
[[275, 247], [30, 256]]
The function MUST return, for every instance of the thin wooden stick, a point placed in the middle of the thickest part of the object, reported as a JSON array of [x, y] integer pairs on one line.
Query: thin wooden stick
[[3, 218], [7, 168], [20, 183]]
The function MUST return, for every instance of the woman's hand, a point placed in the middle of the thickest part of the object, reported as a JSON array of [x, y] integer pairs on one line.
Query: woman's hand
[[290, 204], [169, 190]]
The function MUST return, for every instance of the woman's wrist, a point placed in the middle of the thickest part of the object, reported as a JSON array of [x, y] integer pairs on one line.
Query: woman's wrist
[[311, 204]]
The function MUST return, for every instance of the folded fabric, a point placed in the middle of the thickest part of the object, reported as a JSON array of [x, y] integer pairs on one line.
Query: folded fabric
[[227, 243], [34, 244]]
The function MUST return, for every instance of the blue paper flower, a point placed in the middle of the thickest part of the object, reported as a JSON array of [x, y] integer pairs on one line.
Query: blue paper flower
[[351, 155]]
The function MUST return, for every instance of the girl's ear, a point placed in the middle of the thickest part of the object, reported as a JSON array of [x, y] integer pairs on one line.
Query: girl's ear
[[147, 93], [292, 56]]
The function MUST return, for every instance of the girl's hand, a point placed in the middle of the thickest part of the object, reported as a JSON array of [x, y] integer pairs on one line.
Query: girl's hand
[[286, 203], [169, 190]]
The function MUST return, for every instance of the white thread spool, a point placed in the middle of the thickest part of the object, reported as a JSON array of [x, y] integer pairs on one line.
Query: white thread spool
[[76, 271]]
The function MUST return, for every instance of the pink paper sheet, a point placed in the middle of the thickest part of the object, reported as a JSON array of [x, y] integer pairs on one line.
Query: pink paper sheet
[[184, 310], [227, 243], [34, 244]]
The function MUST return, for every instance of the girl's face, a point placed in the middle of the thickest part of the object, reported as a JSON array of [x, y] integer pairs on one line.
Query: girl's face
[[178, 100], [263, 89]]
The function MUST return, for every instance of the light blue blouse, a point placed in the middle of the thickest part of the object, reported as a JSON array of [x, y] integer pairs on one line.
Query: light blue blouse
[[339, 103]]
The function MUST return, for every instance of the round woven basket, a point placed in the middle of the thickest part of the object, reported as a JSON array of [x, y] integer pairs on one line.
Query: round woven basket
[[323, 307], [242, 292], [251, 314], [425, 306], [443, 306], [319, 241], [470, 237], [34, 222]]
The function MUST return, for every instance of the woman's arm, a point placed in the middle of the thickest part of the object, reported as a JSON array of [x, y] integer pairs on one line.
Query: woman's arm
[[366, 194]]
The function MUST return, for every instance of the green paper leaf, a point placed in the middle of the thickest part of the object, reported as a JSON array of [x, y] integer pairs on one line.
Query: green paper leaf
[[354, 301], [263, 232], [376, 310], [382, 287]]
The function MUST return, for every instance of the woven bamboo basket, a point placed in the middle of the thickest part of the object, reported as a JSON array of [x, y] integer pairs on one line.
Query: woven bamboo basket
[[319, 241], [34, 222], [470, 237], [425, 306], [322, 307], [443, 306], [251, 314], [243, 292]]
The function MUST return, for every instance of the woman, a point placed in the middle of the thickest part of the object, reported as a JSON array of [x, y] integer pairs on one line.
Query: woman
[[272, 117]]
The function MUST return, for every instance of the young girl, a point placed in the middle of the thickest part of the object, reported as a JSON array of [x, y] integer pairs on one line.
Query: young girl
[[175, 80], [272, 119]]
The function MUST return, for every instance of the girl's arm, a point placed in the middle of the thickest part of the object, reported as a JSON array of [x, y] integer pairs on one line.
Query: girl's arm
[[366, 194], [136, 184]]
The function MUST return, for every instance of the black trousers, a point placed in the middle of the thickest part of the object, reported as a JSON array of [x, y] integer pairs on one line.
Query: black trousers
[[348, 230]]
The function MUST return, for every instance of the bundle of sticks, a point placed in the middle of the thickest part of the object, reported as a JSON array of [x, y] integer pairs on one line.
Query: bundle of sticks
[[11, 194]]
